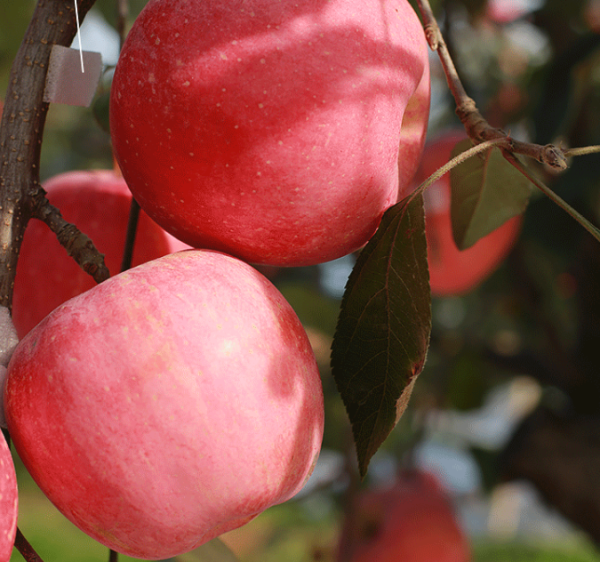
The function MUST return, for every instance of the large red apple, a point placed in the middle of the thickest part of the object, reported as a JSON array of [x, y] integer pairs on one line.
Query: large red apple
[[452, 271], [98, 203], [411, 521], [167, 405], [8, 502], [276, 131]]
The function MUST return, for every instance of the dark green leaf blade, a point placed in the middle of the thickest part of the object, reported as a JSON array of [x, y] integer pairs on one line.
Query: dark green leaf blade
[[382, 336], [486, 192]]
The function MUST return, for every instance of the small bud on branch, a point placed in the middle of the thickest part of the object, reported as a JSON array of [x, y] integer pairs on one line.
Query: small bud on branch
[[478, 129]]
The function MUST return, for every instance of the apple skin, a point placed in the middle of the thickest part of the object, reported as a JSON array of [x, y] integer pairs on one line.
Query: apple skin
[[8, 502], [167, 405], [411, 521], [278, 132], [98, 203], [452, 271]]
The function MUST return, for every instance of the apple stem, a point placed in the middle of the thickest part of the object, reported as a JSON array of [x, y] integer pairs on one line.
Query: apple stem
[[593, 230], [582, 151], [478, 129], [482, 147], [26, 550], [113, 556], [134, 215], [134, 209]]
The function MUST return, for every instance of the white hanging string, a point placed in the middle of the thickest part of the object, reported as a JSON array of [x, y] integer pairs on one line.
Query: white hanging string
[[79, 35]]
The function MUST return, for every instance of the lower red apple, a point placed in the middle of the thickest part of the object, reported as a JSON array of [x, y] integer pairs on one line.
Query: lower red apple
[[411, 521], [168, 404], [8, 502], [98, 203], [452, 271]]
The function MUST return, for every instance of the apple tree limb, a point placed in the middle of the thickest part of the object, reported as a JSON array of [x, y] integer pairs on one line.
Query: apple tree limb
[[26, 550], [21, 133]]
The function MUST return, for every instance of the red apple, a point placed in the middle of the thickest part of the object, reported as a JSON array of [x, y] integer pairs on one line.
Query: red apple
[[507, 11], [98, 203], [452, 271], [411, 521], [8, 502], [278, 132], [168, 404]]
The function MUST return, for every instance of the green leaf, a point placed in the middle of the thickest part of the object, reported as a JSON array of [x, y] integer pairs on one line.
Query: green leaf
[[212, 551], [486, 192], [382, 336]]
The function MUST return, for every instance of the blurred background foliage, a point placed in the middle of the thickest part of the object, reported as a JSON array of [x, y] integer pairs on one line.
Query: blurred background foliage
[[506, 411]]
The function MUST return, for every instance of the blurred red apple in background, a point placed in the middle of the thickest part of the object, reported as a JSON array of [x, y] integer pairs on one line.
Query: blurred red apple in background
[[278, 132], [506, 11], [98, 203], [8, 502], [452, 271], [411, 521], [168, 404]]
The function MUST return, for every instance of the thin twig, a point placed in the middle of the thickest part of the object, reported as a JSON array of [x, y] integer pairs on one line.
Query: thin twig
[[593, 230], [583, 151], [459, 159], [134, 215], [478, 129], [26, 550]]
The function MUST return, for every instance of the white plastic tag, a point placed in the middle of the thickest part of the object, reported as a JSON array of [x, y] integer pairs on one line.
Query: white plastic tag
[[66, 83], [8, 342]]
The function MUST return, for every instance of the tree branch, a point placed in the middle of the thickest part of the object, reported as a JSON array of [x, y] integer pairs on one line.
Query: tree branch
[[26, 550], [22, 127], [78, 245], [477, 127]]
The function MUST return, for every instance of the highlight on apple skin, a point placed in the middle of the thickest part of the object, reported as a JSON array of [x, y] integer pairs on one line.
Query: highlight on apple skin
[[410, 521], [280, 131], [168, 404], [452, 271], [8, 502], [97, 202]]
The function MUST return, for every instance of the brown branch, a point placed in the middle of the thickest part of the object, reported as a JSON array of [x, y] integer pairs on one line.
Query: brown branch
[[22, 127], [477, 127], [78, 245], [26, 550]]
